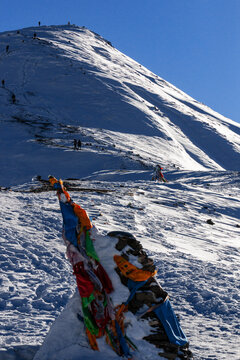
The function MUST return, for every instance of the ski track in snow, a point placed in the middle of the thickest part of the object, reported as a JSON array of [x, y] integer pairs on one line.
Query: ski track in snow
[[198, 263]]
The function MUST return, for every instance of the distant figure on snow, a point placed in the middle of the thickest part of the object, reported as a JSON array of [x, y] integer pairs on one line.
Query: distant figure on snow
[[158, 175], [79, 144], [75, 144], [7, 48], [39, 23], [34, 35], [13, 98], [3, 83]]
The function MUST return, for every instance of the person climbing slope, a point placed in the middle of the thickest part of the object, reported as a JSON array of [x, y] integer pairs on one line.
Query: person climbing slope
[[158, 175]]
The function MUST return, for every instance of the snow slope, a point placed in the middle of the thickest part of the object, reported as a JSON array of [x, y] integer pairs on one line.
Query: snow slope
[[198, 263], [70, 82]]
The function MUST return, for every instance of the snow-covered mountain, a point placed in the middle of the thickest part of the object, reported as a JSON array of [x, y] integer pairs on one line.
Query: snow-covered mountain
[[198, 263], [69, 83]]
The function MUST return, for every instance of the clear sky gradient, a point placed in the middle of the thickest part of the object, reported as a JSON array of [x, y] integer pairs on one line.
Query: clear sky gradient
[[193, 44]]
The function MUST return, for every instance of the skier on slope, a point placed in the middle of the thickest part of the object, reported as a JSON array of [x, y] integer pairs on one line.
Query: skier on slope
[[158, 175]]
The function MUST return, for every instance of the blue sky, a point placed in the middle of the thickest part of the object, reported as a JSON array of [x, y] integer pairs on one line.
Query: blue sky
[[193, 44]]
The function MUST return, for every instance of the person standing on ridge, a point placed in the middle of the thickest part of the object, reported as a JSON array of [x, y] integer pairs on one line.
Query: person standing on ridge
[[79, 144], [13, 98]]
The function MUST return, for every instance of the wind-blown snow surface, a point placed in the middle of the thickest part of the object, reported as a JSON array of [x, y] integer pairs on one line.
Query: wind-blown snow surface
[[198, 263], [70, 82]]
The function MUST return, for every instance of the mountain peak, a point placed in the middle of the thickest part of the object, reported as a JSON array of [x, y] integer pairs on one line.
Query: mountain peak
[[68, 81]]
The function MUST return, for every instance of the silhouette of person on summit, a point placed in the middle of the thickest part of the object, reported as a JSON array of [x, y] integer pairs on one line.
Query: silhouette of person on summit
[[79, 144], [13, 98]]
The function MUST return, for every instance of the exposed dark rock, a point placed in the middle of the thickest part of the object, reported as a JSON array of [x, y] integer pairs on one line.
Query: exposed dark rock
[[209, 221], [169, 355], [159, 340], [121, 244], [150, 294], [136, 245], [121, 234], [146, 298]]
